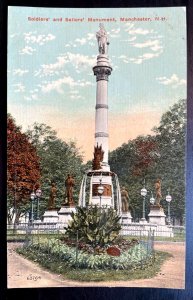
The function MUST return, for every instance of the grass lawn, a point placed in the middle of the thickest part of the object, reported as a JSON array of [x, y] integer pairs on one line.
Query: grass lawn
[[55, 265]]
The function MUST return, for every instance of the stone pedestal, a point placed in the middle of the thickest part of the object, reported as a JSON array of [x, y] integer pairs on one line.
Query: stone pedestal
[[50, 216], [157, 215], [126, 218], [142, 221], [65, 215]]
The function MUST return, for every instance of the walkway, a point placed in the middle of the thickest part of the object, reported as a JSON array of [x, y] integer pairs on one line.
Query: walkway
[[23, 273]]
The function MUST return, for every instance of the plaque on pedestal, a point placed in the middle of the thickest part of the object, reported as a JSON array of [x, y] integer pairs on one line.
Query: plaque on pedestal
[[157, 215]]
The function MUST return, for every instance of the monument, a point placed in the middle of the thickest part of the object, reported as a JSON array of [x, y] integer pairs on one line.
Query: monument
[[103, 184], [126, 214], [157, 215], [51, 215], [68, 205]]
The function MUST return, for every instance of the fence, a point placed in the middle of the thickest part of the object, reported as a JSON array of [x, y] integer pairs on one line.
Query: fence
[[54, 250], [132, 229]]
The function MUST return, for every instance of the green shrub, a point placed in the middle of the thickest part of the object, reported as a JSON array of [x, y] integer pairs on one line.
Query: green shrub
[[129, 259], [95, 225]]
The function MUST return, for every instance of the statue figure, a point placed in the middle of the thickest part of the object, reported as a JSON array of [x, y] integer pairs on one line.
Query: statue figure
[[158, 195], [69, 184], [52, 199], [102, 39], [98, 157], [124, 200]]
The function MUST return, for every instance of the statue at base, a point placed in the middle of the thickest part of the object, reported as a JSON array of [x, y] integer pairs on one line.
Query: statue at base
[[69, 184], [98, 157], [158, 194], [124, 200], [52, 198]]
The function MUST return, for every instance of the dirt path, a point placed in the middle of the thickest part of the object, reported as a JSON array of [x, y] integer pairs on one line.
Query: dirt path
[[23, 273]]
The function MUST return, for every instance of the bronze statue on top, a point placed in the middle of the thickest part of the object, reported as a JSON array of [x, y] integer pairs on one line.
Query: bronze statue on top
[[69, 184], [98, 157], [158, 195], [52, 198], [124, 200]]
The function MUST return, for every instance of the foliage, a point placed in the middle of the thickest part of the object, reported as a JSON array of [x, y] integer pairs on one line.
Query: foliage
[[95, 225], [128, 259], [57, 160], [161, 155], [171, 135], [23, 169], [55, 264]]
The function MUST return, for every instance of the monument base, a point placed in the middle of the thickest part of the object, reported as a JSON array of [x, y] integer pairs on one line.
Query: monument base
[[142, 221], [157, 215], [126, 218], [65, 214], [50, 216]]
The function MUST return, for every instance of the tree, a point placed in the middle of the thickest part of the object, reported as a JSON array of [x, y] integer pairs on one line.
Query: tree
[[57, 160], [155, 156], [171, 135], [23, 169]]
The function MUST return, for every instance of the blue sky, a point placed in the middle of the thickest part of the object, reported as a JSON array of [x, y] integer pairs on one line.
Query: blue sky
[[50, 77]]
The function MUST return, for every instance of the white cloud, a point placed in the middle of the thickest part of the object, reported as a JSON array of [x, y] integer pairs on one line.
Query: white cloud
[[152, 44], [122, 57], [78, 61], [20, 88], [130, 40], [116, 30], [57, 85], [27, 50], [19, 72], [138, 31], [90, 36], [145, 56], [32, 97], [13, 35], [40, 39], [52, 69], [88, 39], [128, 26], [81, 41], [174, 81], [75, 97]]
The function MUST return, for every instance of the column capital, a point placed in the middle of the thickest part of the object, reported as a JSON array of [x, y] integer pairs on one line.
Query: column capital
[[102, 72]]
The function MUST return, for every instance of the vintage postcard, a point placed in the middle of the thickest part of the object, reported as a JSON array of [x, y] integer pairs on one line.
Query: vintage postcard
[[96, 129]]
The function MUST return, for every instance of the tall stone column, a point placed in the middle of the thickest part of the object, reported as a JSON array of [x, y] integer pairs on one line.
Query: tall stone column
[[103, 184], [102, 71]]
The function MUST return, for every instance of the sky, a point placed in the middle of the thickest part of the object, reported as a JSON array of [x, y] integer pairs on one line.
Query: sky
[[51, 53]]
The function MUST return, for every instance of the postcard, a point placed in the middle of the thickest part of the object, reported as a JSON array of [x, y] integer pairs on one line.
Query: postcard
[[96, 128]]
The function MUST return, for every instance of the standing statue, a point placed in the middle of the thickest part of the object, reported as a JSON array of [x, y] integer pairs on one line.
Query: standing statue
[[124, 200], [69, 184], [52, 198], [158, 195], [102, 39]]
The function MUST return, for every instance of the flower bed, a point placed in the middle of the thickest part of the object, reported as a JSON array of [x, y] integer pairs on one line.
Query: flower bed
[[129, 258]]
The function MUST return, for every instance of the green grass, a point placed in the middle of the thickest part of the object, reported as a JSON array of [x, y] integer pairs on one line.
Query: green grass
[[176, 238], [21, 237], [57, 266]]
